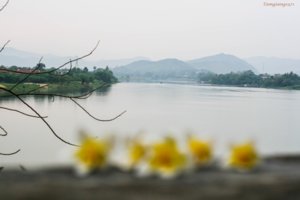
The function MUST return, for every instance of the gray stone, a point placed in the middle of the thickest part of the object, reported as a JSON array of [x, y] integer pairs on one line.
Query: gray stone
[[277, 178]]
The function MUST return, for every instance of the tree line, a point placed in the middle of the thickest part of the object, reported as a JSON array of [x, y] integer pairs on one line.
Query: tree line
[[84, 76], [250, 79]]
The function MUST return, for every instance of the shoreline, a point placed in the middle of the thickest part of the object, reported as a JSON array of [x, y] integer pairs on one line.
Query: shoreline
[[195, 83]]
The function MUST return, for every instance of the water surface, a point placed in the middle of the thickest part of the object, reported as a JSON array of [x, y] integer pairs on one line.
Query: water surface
[[222, 114]]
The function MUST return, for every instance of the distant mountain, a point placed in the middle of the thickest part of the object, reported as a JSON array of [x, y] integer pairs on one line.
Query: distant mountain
[[141, 66], [177, 69], [11, 56], [161, 66], [18, 53], [115, 63], [273, 65], [221, 64], [153, 70]]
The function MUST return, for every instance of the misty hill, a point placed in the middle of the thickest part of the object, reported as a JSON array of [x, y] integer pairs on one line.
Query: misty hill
[[221, 64], [161, 66], [167, 68], [11, 56], [177, 69], [273, 65]]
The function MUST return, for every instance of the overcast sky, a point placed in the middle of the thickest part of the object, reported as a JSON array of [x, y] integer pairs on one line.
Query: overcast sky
[[157, 29]]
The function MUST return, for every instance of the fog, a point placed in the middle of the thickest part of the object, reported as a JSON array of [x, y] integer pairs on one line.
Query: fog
[[155, 29]]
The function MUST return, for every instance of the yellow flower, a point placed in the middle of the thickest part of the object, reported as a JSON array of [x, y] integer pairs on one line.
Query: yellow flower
[[201, 151], [243, 156], [93, 153], [165, 158], [137, 152]]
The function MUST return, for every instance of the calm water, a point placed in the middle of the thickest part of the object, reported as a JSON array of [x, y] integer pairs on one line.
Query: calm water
[[223, 114]]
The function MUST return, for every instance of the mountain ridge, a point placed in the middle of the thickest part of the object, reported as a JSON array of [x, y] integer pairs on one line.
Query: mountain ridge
[[172, 68], [11, 56], [259, 64], [221, 64]]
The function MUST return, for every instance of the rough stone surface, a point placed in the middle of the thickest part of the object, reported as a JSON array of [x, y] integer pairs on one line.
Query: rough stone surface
[[277, 178]]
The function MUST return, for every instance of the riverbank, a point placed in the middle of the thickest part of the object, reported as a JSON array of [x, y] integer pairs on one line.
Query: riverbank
[[240, 79], [277, 178], [74, 87], [189, 82]]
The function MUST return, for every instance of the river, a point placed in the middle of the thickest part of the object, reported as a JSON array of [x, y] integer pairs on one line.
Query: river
[[224, 115]]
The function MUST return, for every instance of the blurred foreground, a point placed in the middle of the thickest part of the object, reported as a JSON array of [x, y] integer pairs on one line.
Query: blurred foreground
[[277, 178]]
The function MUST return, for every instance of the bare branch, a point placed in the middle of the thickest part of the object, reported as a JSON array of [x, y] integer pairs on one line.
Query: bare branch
[[38, 114], [2, 8], [68, 72], [48, 125], [35, 92], [3, 47], [23, 113], [57, 68], [77, 59], [9, 154], [81, 96], [28, 75], [5, 132], [102, 120]]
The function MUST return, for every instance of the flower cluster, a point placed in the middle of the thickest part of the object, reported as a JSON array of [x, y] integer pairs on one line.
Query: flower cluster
[[93, 153], [243, 156], [165, 157]]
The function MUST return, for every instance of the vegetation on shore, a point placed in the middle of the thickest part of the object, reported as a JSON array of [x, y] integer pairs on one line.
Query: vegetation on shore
[[63, 81], [250, 79]]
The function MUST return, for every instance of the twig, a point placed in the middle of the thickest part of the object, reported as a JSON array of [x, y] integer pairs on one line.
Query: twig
[[2, 8], [38, 114], [55, 69], [23, 113], [48, 125], [5, 132], [9, 154], [82, 96], [34, 92], [28, 75], [68, 72], [102, 120], [3, 47]]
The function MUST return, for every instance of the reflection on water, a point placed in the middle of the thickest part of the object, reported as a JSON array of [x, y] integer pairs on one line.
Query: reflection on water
[[103, 91], [40, 98], [224, 114]]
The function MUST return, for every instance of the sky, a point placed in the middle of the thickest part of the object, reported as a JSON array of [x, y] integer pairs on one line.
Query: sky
[[157, 29]]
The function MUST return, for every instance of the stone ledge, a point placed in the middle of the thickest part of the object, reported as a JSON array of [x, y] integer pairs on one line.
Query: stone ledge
[[277, 178]]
